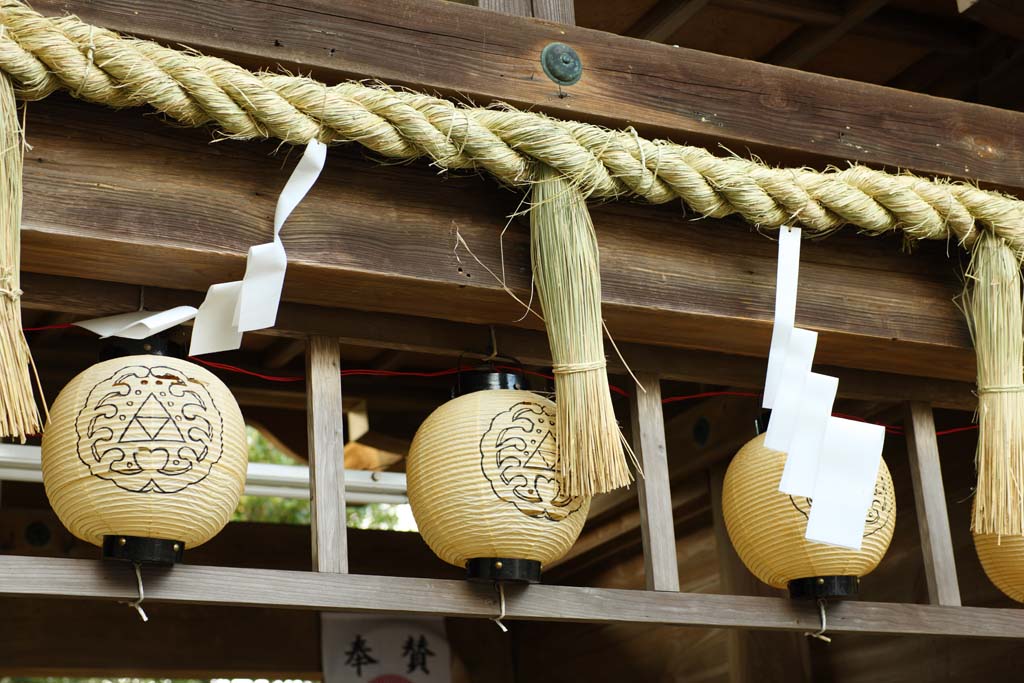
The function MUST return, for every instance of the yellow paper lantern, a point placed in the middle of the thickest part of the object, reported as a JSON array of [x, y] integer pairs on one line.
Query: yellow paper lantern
[[145, 455], [767, 528], [1003, 561], [484, 487]]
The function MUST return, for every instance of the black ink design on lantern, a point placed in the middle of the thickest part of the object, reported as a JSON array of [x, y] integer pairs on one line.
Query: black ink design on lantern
[[519, 457], [149, 430]]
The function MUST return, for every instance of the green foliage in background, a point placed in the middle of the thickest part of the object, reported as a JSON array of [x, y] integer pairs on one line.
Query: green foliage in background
[[296, 511]]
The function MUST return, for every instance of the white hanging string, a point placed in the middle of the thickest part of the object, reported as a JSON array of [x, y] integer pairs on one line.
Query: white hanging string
[[137, 603], [501, 599], [820, 633]]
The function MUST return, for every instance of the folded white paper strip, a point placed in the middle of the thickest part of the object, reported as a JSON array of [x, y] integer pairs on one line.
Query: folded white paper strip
[[799, 355], [138, 324], [845, 482], [251, 304], [786, 277], [813, 412]]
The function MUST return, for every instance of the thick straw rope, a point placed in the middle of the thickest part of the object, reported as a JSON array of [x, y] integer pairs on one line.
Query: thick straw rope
[[43, 55]]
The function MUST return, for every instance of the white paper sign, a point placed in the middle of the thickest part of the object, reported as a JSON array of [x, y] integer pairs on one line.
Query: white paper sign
[[370, 649], [845, 483], [232, 308], [138, 324], [786, 278], [785, 417], [812, 415]]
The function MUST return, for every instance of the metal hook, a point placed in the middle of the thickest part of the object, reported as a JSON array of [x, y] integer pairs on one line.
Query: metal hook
[[820, 633], [501, 615], [494, 345], [137, 604]]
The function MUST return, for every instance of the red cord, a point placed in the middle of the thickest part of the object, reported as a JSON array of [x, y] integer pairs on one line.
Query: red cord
[[895, 430], [58, 326]]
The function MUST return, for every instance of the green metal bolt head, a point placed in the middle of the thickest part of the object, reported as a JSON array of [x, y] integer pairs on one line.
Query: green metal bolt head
[[561, 63]]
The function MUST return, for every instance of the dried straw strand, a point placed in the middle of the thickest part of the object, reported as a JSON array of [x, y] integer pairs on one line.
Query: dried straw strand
[[994, 315], [566, 269], [19, 416]]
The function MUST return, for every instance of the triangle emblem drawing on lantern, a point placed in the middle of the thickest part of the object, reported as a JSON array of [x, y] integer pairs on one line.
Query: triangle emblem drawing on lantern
[[154, 422]]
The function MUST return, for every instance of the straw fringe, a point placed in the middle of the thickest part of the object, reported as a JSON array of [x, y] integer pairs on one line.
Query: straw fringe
[[19, 416], [993, 309], [43, 55], [567, 271]]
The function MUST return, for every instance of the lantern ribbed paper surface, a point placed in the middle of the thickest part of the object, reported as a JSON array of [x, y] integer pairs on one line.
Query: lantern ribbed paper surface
[[1003, 561], [483, 480], [767, 526], [147, 446]]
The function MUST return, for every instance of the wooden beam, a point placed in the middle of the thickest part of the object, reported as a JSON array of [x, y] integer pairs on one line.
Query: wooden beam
[[666, 17], [283, 352], [945, 37], [754, 656], [873, 306], [89, 298], [46, 577], [809, 43], [704, 98], [1001, 16], [326, 455], [661, 569], [930, 501]]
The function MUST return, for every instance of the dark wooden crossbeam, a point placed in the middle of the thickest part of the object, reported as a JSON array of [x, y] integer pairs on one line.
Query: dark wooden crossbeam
[[694, 97]]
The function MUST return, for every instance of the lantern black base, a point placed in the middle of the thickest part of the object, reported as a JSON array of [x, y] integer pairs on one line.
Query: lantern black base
[[503, 569], [814, 587], [143, 550]]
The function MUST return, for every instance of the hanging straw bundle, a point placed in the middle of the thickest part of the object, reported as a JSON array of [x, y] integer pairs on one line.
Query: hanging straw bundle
[[567, 271], [19, 416], [993, 311]]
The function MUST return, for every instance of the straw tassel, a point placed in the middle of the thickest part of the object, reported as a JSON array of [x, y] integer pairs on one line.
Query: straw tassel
[[19, 416], [994, 315], [566, 269]]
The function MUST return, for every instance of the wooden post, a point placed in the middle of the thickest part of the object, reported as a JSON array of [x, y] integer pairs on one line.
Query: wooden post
[[657, 527], [930, 499], [561, 11], [522, 8], [326, 455], [754, 656]]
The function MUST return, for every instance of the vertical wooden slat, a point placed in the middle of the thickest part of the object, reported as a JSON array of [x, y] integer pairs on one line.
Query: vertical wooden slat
[[754, 656], [522, 8], [562, 11], [326, 455], [656, 525], [930, 498]]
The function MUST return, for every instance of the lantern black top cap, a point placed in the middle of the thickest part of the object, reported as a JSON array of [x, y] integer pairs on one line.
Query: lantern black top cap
[[489, 375], [157, 345]]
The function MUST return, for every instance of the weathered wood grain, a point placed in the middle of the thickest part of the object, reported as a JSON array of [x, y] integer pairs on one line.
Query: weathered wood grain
[[326, 455], [45, 577], [385, 239], [655, 495], [930, 499], [691, 96]]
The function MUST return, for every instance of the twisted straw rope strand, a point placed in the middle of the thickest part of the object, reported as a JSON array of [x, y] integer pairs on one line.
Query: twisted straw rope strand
[[43, 55]]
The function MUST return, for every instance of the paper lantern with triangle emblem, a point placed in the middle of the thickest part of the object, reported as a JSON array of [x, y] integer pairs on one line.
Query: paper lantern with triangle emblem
[[145, 453], [484, 484]]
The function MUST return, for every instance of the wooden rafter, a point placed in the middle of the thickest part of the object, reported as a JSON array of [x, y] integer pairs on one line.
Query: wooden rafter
[[663, 20], [809, 43]]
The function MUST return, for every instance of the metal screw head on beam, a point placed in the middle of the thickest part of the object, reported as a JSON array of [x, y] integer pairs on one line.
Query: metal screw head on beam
[[561, 63]]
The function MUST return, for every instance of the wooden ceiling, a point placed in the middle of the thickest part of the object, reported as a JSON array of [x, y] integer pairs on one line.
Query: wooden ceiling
[[927, 46]]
